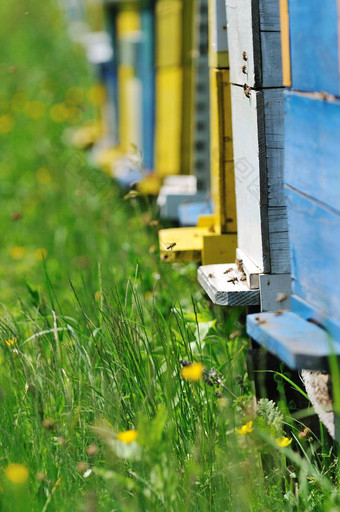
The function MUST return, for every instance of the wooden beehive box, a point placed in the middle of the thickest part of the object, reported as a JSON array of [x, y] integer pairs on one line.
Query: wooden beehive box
[[213, 240], [257, 121], [305, 337]]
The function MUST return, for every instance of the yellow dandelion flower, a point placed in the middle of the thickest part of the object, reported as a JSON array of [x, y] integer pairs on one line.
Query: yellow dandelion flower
[[43, 176], [16, 473], [127, 437], [40, 254], [96, 95], [17, 252], [59, 113], [193, 372], [283, 442], [245, 429], [6, 123], [11, 342], [35, 109]]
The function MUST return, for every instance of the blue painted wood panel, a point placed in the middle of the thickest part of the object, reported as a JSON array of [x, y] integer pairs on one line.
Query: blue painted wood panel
[[312, 147], [315, 253], [314, 45], [300, 344]]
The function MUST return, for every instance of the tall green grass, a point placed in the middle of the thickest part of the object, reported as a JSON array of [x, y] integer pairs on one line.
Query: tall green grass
[[93, 328]]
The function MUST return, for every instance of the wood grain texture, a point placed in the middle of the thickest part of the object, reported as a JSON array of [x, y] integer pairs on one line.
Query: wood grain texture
[[314, 45], [269, 15], [298, 343], [312, 135], [315, 252], [273, 287], [258, 156], [215, 282], [254, 44]]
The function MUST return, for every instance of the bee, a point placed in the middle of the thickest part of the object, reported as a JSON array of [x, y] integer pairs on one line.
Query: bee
[[153, 223], [246, 90], [232, 280], [279, 312], [171, 246], [244, 56], [243, 278], [228, 270], [244, 69], [281, 297], [259, 320], [211, 276], [239, 264]]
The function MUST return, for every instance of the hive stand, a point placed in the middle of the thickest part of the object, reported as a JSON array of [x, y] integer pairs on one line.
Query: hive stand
[[306, 336], [257, 120], [213, 240]]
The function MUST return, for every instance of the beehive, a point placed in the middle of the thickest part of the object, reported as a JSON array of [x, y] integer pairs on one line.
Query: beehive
[[257, 125], [310, 332]]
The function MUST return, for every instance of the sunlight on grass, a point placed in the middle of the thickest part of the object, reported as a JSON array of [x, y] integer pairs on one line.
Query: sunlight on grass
[[120, 387]]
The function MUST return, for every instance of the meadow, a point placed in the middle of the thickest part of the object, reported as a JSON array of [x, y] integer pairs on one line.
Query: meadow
[[121, 387]]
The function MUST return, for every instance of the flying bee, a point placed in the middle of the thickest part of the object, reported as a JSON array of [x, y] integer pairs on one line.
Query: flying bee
[[171, 246], [232, 280], [228, 270], [153, 223]]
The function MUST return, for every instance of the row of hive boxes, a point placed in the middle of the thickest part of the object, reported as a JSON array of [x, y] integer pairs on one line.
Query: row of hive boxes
[[250, 141], [152, 80]]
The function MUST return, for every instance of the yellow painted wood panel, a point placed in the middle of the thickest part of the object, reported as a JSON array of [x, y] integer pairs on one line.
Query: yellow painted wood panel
[[168, 33], [285, 45], [168, 121], [128, 19], [222, 165]]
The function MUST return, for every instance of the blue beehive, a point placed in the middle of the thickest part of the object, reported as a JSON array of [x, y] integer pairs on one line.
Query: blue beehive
[[310, 332]]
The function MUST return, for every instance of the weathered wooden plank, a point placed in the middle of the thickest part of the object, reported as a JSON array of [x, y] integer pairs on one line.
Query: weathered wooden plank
[[224, 286], [269, 15], [254, 56], [313, 314], [314, 45], [315, 252], [258, 154], [275, 291], [250, 175], [298, 343], [312, 135]]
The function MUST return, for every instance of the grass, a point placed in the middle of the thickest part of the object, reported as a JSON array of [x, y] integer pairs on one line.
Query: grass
[[93, 328]]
